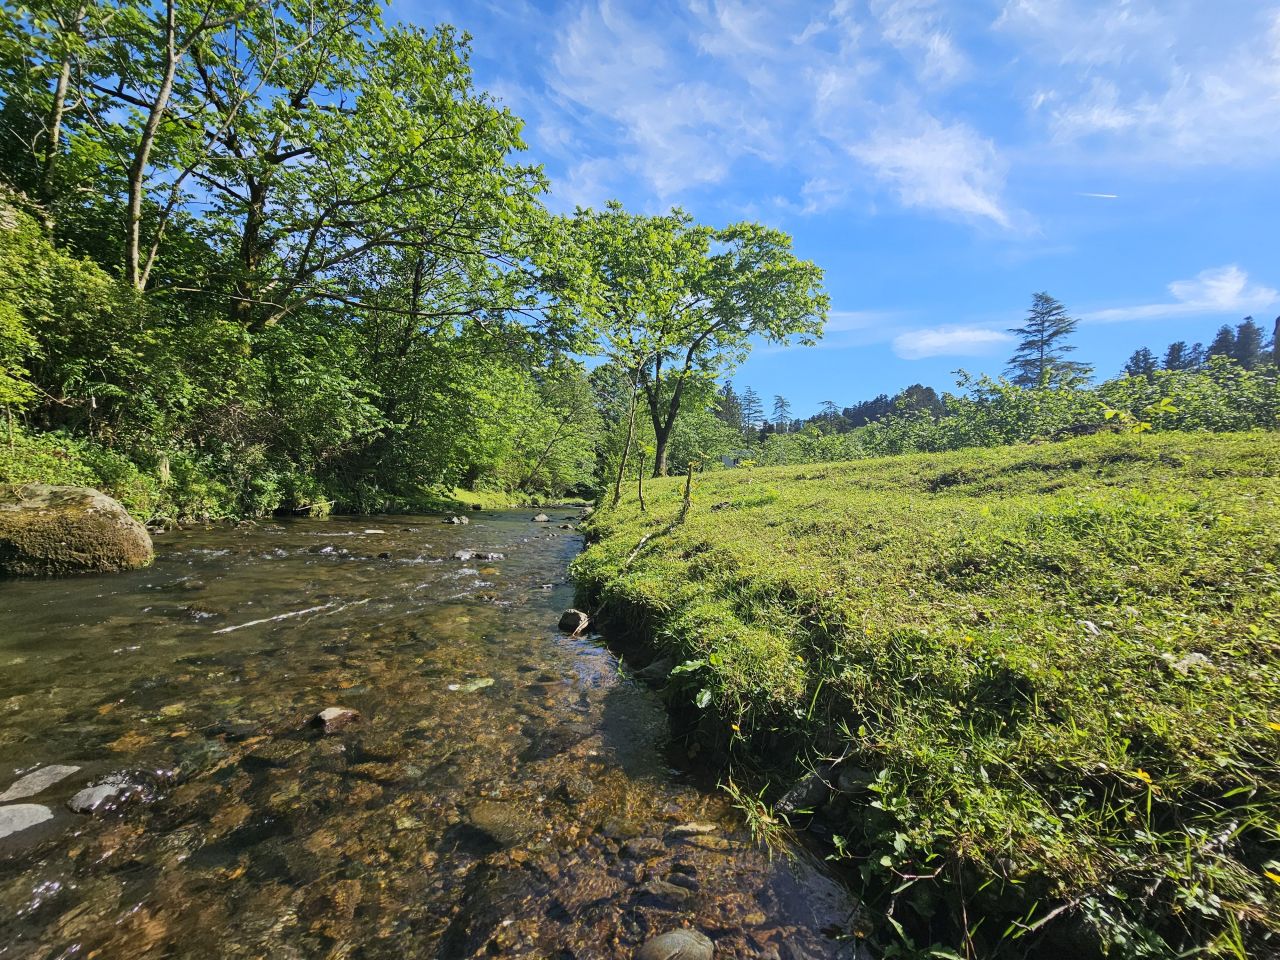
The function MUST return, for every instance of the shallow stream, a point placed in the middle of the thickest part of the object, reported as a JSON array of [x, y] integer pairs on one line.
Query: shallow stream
[[506, 790]]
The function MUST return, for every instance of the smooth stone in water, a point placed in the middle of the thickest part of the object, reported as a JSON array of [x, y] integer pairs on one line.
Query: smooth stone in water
[[37, 781], [21, 816], [677, 945], [573, 622], [542, 518], [332, 719], [106, 796]]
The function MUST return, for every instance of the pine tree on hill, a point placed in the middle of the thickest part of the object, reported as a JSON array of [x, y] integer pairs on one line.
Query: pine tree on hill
[[1178, 356], [1141, 364], [781, 413], [1248, 350], [1224, 343], [1275, 344], [1040, 360], [752, 409]]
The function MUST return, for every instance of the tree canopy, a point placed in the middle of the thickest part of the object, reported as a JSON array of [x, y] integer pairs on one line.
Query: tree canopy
[[676, 303]]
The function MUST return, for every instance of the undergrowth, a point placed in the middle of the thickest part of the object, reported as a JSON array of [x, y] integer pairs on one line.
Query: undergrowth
[[1048, 674]]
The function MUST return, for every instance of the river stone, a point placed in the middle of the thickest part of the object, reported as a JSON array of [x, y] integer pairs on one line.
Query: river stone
[[677, 945], [20, 816], [573, 622], [542, 518], [50, 531], [103, 797], [333, 719], [507, 823], [37, 781], [457, 520]]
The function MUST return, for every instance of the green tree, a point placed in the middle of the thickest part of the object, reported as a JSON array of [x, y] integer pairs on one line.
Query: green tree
[[677, 304], [781, 413], [1141, 364], [729, 407], [1248, 345], [1178, 356], [1040, 360], [752, 409], [1224, 343]]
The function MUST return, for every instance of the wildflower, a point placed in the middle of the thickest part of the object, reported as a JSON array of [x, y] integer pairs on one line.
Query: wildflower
[[1274, 726], [968, 639], [735, 728], [1142, 775], [1275, 877]]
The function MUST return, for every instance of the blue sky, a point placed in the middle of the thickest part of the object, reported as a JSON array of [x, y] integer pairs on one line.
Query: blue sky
[[942, 161]]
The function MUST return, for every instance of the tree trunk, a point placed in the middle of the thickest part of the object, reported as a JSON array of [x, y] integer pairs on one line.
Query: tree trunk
[[250, 254], [142, 156], [626, 447], [662, 435]]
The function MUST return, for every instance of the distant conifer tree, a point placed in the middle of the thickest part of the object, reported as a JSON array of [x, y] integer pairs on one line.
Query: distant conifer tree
[[1248, 350], [1141, 364], [1040, 359], [1178, 356], [1224, 343]]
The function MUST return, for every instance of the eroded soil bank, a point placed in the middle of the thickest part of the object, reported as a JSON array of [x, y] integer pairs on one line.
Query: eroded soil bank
[[504, 792]]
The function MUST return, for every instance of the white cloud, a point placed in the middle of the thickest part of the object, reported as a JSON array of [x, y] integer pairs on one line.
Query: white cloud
[[1221, 290], [1167, 83], [679, 100], [949, 341], [936, 166], [915, 27], [681, 131]]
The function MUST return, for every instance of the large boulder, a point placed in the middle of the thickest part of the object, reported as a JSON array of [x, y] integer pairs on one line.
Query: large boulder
[[49, 531]]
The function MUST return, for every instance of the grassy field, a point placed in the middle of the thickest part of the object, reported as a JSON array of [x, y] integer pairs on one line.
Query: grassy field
[[1038, 684]]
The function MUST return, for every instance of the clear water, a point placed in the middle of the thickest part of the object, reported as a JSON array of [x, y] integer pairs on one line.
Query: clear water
[[506, 791]]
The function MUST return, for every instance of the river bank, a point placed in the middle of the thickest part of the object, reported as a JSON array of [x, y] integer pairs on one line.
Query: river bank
[[503, 791], [1028, 693]]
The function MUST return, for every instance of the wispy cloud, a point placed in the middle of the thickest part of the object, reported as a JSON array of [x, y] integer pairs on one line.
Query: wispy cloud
[[949, 341], [936, 166], [1221, 291], [681, 98], [1154, 81]]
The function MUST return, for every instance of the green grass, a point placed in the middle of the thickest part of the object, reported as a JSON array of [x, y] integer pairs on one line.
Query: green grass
[[1057, 664]]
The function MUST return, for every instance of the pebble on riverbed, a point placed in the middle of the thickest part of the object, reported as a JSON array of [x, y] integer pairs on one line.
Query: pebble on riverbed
[[37, 781], [21, 816], [573, 622], [677, 945], [108, 795], [333, 719], [542, 518]]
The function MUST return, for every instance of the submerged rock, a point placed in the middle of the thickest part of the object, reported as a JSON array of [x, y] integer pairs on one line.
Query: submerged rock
[[37, 781], [50, 531], [465, 555], [506, 823], [573, 622], [677, 945], [333, 719], [656, 672], [458, 519], [22, 816], [107, 795]]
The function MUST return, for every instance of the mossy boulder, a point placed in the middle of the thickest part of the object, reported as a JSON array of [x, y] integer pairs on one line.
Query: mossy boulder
[[50, 531]]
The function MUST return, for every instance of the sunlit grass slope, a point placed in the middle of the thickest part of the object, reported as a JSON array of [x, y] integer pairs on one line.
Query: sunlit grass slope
[[1056, 664]]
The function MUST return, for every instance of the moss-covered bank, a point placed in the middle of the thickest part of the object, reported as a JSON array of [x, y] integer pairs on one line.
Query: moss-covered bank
[[1039, 683]]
